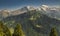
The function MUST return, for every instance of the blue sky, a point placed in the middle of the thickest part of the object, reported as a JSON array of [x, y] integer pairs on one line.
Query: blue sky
[[12, 4]]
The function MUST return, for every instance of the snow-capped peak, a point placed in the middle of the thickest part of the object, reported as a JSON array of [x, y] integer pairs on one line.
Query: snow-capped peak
[[29, 8], [5, 10], [44, 7]]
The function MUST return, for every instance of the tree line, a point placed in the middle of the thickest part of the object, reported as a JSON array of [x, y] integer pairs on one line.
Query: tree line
[[4, 31]]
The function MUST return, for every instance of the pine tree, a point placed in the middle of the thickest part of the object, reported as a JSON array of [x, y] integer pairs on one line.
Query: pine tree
[[4, 31], [18, 31], [53, 32], [1, 31]]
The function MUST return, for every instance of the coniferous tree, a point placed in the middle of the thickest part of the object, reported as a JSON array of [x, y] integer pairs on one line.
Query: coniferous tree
[[1, 30], [4, 31], [18, 31], [53, 32]]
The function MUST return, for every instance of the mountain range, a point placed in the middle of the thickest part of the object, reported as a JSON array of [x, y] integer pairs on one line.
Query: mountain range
[[33, 20], [53, 12]]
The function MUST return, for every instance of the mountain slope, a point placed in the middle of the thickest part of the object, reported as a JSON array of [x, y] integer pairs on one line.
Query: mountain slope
[[33, 22]]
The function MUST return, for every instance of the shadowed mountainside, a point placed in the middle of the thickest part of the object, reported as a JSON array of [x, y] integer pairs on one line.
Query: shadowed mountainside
[[33, 22]]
